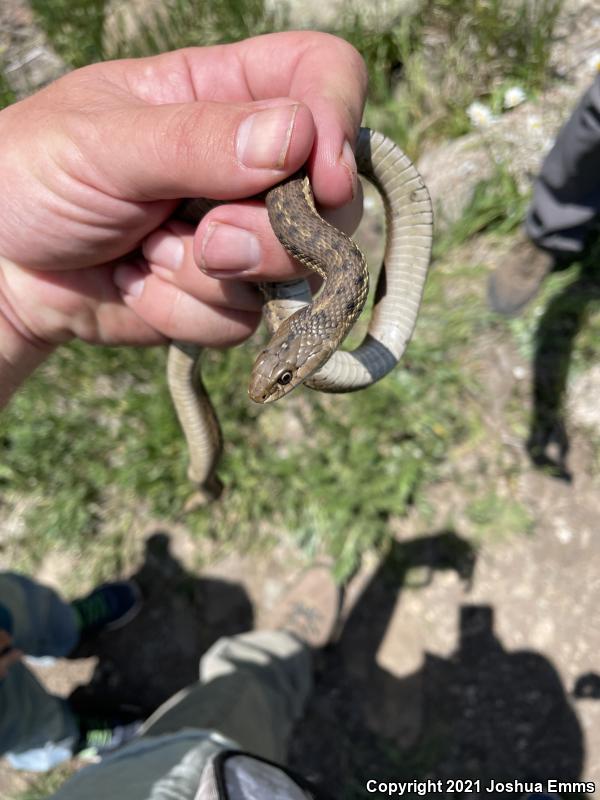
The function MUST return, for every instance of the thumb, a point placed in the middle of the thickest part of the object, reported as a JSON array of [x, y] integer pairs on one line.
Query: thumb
[[203, 149]]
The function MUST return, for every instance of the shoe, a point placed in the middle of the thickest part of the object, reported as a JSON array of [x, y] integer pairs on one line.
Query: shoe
[[311, 609], [100, 736], [519, 278], [108, 607]]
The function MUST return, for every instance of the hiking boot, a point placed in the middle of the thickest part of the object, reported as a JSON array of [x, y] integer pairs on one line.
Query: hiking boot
[[107, 608], [518, 279], [310, 610]]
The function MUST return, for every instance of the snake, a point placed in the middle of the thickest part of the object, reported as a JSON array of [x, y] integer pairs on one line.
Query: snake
[[306, 332]]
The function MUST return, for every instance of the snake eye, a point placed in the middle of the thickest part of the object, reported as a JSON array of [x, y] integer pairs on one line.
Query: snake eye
[[284, 378]]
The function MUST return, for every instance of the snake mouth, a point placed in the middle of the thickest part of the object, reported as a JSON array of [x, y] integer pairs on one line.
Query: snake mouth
[[261, 392], [262, 399]]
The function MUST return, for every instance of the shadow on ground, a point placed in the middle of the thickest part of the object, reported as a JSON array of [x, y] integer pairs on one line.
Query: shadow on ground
[[482, 713], [563, 318], [157, 654]]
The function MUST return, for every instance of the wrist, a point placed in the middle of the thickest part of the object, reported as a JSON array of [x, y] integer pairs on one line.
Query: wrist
[[20, 354]]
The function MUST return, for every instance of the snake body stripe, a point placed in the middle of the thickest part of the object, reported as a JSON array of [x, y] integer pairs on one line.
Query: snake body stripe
[[292, 315], [409, 231]]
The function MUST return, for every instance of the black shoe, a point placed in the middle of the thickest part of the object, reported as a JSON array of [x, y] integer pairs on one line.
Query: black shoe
[[99, 736], [108, 607]]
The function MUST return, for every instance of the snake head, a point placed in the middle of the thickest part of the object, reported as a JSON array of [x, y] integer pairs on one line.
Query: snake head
[[287, 361]]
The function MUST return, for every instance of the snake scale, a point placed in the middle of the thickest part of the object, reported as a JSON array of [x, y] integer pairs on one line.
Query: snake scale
[[306, 332]]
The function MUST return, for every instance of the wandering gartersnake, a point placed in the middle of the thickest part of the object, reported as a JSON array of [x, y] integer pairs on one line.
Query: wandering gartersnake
[[304, 348]]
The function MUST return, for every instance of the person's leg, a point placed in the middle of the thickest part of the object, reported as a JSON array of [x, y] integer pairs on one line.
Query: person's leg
[[566, 199], [564, 213], [42, 623], [37, 728], [253, 687]]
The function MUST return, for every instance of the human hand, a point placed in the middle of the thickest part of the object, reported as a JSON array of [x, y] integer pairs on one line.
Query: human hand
[[93, 166], [8, 656]]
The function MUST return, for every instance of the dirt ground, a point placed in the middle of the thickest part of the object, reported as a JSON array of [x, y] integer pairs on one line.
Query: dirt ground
[[455, 660], [459, 657]]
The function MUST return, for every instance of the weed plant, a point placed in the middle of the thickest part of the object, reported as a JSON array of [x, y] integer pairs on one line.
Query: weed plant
[[497, 205], [448, 54], [95, 427], [7, 96], [425, 67], [94, 421]]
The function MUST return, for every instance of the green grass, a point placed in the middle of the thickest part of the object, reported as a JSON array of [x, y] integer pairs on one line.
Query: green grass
[[425, 67], [496, 206], [47, 783], [499, 517], [7, 96], [74, 28], [183, 23], [91, 447], [92, 444], [92, 440], [77, 29], [510, 40], [456, 51], [95, 423]]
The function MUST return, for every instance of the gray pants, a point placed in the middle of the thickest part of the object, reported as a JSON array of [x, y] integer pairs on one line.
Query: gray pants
[[251, 690], [261, 678], [566, 198], [36, 727]]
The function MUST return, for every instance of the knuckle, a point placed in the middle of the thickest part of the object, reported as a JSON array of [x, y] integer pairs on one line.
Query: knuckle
[[346, 52], [178, 134], [356, 63], [185, 138]]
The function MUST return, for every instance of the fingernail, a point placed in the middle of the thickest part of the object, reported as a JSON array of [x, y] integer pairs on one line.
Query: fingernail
[[164, 249], [228, 248], [129, 280], [264, 137], [349, 163]]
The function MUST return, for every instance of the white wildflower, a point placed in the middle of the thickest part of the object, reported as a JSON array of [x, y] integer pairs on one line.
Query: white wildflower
[[513, 97], [593, 61], [480, 115]]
